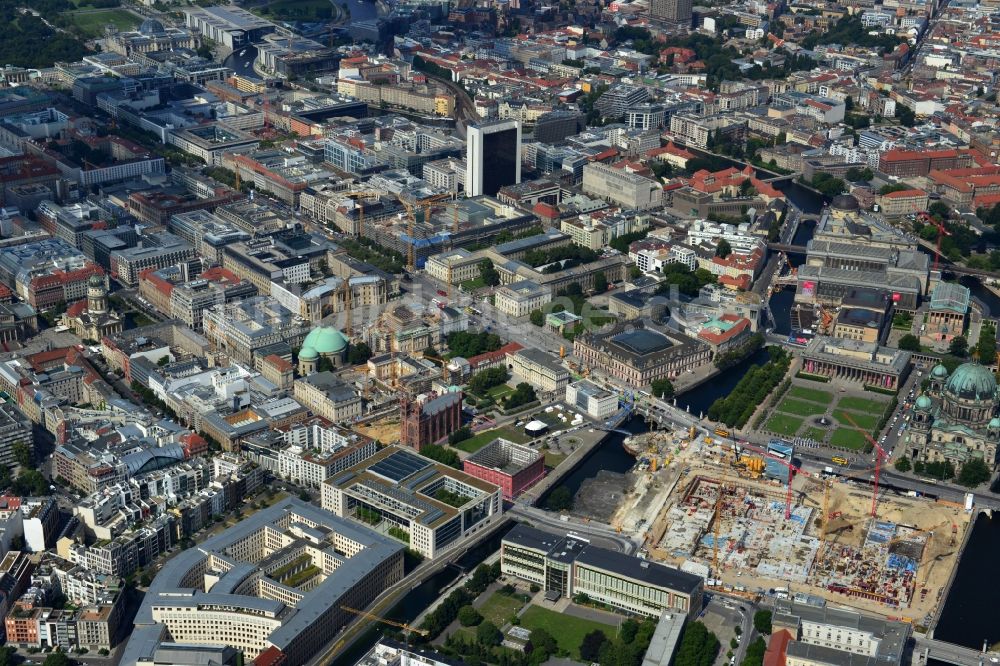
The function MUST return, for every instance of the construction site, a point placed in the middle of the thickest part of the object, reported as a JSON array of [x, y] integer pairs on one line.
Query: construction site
[[758, 526]]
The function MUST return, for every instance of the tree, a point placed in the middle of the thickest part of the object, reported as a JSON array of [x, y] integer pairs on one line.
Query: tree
[[762, 621], [537, 318], [459, 435], [560, 499], [855, 174], [543, 643], [634, 272], [488, 634], [163, 360], [958, 346], [489, 274], [22, 453], [469, 616], [600, 282], [973, 473], [903, 465], [909, 342], [939, 210], [723, 249], [441, 455], [57, 659], [663, 389], [358, 353], [590, 646]]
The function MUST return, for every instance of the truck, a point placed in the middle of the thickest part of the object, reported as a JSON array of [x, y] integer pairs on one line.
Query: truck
[[828, 470]]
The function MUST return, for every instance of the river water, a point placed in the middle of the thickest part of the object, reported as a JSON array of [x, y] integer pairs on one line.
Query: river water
[[968, 617]]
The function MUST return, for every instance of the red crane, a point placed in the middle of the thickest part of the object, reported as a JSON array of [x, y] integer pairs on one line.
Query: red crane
[[879, 455], [792, 471], [942, 232]]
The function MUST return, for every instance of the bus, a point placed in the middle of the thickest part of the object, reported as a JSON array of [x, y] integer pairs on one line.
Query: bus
[[840, 460], [721, 432]]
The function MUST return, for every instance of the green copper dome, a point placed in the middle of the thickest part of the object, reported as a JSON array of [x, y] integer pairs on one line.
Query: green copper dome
[[307, 353], [939, 371], [923, 403], [971, 381], [325, 340], [995, 422]]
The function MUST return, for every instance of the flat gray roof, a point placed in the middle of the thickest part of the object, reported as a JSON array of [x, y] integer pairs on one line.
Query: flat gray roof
[[167, 586]]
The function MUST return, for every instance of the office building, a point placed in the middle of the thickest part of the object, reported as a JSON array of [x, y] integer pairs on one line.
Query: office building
[[568, 566], [327, 396], [591, 399], [539, 368], [627, 189], [278, 579], [513, 467], [677, 12], [229, 25], [397, 491], [493, 157], [519, 299]]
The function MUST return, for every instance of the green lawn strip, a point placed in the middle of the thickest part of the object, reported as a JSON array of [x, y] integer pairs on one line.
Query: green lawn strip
[[811, 394], [864, 420], [784, 424], [848, 438], [863, 405], [800, 407], [566, 629], [480, 440], [813, 433]]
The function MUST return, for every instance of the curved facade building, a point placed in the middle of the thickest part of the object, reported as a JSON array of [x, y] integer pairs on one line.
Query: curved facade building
[[277, 580]]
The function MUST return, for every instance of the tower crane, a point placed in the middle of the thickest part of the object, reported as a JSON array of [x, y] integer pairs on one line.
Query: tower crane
[[792, 471], [879, 455], [383, 620], [357, 197]]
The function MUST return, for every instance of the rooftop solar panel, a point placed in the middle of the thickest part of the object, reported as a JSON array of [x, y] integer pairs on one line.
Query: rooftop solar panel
[[399, 465]]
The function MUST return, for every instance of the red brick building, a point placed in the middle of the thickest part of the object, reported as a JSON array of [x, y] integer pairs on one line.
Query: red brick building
[[907, 163], [427, 422], [513, 467]]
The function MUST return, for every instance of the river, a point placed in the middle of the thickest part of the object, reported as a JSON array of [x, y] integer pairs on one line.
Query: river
[[967, 618]]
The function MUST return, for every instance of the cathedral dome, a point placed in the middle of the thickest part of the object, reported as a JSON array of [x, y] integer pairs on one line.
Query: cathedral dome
[[95, 281], [924, 403], [939, 371], [325, 340], [971, 381]]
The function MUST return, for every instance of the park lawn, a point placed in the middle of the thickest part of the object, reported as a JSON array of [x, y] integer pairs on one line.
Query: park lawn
[[811, 394], [864, 421], [480, 440], [91, 23], [500, 608], [566, 629], [814, 433], [501, 391], [784, 424], [552, 460], [800, 407], [849, 438], [863, 405]]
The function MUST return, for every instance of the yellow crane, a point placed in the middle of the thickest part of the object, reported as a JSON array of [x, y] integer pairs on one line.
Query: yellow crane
[[348, 297], [384, 620], [715, 533], [444, 365], [423, 206]]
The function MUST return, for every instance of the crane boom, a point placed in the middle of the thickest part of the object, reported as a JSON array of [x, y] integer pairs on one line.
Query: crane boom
[[879, 455], [383, 620], [792, 471]]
